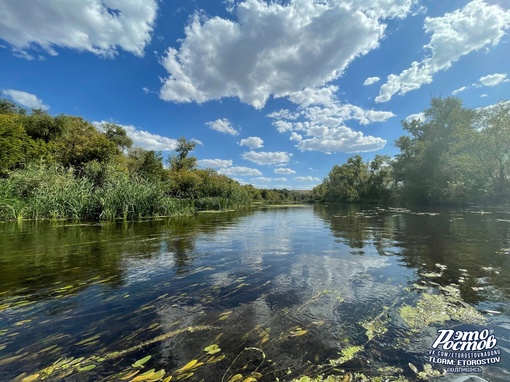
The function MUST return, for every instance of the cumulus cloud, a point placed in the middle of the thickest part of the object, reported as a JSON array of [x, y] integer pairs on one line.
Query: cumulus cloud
[[214, 163], [295, 136], [417, 116], [493, 79], [459, 90], [306, 178], [267, 158], [25, 99], [223, 126], [252, 142], [240, 171], [144, 139], [283, 170], [264, 179], [321, 127], [314, 96], [454, 35], [371, 80], [341, 139], [96, 26], [273, 48]]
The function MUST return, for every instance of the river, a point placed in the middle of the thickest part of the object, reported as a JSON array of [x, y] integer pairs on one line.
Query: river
[[269, 293]]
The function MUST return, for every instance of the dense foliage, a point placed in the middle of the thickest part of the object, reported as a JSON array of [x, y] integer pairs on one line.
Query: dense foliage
[[65, 167], [455, 155]]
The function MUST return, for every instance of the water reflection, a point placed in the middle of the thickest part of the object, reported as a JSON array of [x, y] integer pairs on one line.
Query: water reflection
[[248, 279]]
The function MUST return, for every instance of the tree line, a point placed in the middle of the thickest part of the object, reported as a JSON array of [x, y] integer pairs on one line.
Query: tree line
[[453, 156], [64, 167]]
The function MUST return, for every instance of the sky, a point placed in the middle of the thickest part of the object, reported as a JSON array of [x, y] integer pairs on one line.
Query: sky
[[274, 93]]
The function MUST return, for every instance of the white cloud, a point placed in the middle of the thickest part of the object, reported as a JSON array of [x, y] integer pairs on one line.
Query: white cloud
[[484, 95], [145, 139], [252, 142], [322, 128], [214, 163], [264, 179], [459, 90], [493, 79], [240, 171], [25, 99], [417, 116], [306, 179], [96, 26], [454, 35], [284, 114], [273, 48], [223, 126], [283, 170], [314, 96], [371, 80], [341, 139], [295, 136], [267, 158]]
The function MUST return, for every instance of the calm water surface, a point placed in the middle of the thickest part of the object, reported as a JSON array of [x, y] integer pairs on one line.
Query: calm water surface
[[293, 285]]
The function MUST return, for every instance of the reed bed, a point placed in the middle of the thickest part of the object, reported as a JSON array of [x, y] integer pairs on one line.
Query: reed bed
[[53, 192]]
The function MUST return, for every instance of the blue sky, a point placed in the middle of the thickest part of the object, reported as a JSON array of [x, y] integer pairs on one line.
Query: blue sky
[[274, 92]]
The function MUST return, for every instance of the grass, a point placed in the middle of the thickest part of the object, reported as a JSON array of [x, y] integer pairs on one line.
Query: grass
[[52, 192]]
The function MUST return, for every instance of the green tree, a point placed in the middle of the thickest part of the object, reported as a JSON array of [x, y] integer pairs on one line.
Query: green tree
[[435, 163], [347, 183], [9, 107], [146, 163], [117, 134], [181, 161], [81, 143], [379, 181], [41, 125], [13, 143], [494, 146]]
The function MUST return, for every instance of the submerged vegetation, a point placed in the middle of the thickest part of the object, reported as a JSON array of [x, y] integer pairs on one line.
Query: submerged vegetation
[[67, 168], [454, 155], [252, 364]]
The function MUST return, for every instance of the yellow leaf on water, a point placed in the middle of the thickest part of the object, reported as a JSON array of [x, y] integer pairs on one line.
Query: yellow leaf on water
[[30, 378], [145, 376], [212, 349], [185, 376], [167, 379], [298, 332], [225, 315], [235, 378], [188, 366], [156, 376], [130, 374]]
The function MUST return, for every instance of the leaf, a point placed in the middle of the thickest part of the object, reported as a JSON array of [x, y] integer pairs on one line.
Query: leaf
[[298, 332], [143, 377], [235, 378], [225, 315], [188, 366], [30, 378], [212, 349], [140, 362], [157, 376], [87, 368], [167, 379], [413, 368], [185, 376], [130, 374]]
